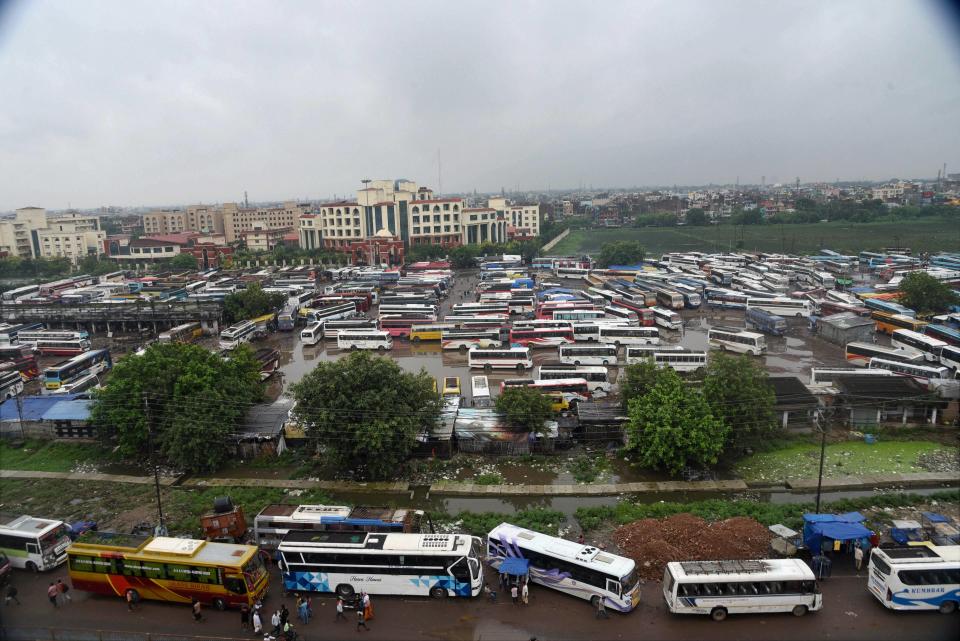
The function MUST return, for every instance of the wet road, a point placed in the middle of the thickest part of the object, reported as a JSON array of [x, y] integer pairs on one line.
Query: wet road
[[850, 612]]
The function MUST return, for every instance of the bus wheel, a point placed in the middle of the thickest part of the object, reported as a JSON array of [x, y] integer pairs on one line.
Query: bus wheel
[[32, 567], [353, 348], [520, 369], [220, 604], [948, 607], [718, 614], [487, 367], [415, 339], [438, 592], [799, 610], [462, 349], [380, 348], [345, 591], [604, 362], [577, 363]]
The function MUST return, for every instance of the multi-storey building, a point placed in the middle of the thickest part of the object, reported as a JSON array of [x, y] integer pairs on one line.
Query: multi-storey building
[[30, 234], [16, 235], [237, 220], [436, 222], [206, 219], [263, 239], [483, 225]]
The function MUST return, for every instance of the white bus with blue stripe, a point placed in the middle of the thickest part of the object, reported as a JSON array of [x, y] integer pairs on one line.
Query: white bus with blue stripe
[[582, 571], [916, 577], [347, 563]]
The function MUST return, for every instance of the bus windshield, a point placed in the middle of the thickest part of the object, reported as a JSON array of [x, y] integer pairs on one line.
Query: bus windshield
[[54, 537]]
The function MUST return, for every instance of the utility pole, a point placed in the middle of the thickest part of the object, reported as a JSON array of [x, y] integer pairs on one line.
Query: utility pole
[[822, 425], [20, 411], [161, 529]]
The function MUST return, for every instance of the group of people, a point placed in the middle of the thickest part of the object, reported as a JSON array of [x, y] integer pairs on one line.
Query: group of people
[[518, 586], [58, 593]]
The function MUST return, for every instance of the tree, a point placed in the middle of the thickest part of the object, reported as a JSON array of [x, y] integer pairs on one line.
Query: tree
[[926, 294], [366, 412], [696, 217], [96, 265], [525, 408], [621, 252], [463, 257], [250, 303], [638, 379], [184, 261], [181, 401], [425, 252], [671, 427], [739, 394]]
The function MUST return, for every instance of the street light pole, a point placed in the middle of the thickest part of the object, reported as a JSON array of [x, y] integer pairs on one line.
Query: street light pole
[[823, 451]]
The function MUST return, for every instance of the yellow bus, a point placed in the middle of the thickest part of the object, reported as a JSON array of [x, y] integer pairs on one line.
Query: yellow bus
[[431, 332], [887, 323], [220, 575]]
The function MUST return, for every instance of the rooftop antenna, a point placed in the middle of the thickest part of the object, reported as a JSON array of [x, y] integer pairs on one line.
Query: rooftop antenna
[[246, 201], [439, 174]]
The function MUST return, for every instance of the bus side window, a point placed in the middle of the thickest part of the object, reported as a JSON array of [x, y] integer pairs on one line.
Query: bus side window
[[237, 586], [764, 588]]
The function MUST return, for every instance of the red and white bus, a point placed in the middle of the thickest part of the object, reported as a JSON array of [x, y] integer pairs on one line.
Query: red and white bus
[[573, 390], [645, 314], [541, 337]]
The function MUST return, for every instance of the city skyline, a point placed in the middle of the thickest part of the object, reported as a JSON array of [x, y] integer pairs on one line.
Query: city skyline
[[132, 104]]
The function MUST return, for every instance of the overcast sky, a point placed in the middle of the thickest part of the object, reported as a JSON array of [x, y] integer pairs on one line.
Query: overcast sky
[[133, 102]]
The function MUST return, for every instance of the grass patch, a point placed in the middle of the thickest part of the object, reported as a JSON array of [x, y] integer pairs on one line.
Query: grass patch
[[921, 234], [489, 478], [480, 523], [48, 456], [849, 458], [586, 469]]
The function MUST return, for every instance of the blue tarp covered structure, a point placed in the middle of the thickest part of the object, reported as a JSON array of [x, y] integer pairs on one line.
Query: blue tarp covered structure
[[933, 517], [836, 527], [515, 566]]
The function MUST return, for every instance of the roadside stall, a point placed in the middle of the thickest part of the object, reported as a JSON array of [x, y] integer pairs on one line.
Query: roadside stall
[[940, 529], [788, 542], [905, 530], [829, 534]]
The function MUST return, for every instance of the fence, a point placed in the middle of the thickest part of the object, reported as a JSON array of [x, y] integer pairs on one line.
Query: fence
[[9, 633]]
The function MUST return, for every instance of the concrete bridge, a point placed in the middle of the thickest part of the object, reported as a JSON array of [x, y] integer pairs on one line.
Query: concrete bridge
[[119, 316]]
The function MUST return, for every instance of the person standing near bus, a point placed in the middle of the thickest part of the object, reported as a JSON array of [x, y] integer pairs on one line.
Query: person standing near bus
[[197, 617], [525, 593], [52, 593], [64, 590], [361, 620], [367, 607], [858, 556], [257, 623], [339, 611]]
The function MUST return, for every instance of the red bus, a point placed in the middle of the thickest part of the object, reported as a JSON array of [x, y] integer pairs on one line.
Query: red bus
[[398, 326], [541, 336], [23, 359], [645, 314]]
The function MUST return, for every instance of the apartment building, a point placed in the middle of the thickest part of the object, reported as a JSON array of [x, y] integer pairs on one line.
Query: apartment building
[[206, 219], [237, 220], [263, 239], [483, 225], [31, 234], [436, 222]]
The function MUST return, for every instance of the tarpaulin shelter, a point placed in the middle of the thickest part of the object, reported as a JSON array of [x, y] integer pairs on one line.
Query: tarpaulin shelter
[[836, 527], [515, 566]]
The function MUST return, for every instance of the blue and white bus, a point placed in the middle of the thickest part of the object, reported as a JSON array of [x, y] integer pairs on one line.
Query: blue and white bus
[[916, 577]]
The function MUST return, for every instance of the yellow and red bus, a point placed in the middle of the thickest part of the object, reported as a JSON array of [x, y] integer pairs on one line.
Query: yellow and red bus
[[889, 323], [220, 575]]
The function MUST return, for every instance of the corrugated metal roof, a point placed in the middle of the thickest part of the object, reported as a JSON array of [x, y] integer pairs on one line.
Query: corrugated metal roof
[[74, 410], [846, 320], [34, 407]]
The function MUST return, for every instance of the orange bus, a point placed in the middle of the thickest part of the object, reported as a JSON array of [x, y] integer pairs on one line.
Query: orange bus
[[220, 575], [889, 323]]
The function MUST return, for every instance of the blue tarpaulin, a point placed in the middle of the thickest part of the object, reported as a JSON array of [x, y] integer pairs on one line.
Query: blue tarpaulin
[[837, 527], [849, 517], [515, 566], [76, 410], [34, 407], [933, 517]]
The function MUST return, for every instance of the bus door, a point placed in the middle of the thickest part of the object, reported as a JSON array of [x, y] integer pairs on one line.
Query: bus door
[[460, 571]]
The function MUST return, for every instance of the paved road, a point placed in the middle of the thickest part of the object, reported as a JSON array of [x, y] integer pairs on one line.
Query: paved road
[[850, 613]]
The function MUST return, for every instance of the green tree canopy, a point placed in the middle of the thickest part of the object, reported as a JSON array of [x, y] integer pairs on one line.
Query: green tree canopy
[[696, 217], [425, 252], [366, 412], [192, 398], [637, 379], [463, 257], [250, 303], [671, 427], [183, 261], [525, 408], [925, 294], [739, 393], [621, 252], [96, 265]]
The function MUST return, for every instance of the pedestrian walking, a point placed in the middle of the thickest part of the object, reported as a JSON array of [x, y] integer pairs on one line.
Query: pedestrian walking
[[64, 591], [129, 600], [284, 614], [361, 620], [339, 611], [11, 595], [275, 622], [858, 557], [525, 593], [303, 613], [601, 609], [491, 594], [52, 593], [580, 539], [257, 623], [244, 617], [503, 581], [367, 607], [309, 601], [514, 593], [197, 616]]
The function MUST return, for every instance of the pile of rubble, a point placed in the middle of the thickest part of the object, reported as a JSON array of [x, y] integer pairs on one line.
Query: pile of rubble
[[684, 537]]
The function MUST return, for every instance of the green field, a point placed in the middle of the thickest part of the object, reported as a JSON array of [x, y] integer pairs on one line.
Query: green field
[[48, 456], [924, 234]]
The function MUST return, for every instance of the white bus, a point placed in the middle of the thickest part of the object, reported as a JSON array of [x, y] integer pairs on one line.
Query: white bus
[[464, 339], [719, 588], [582, 571], [621, 313], [825, 376], [737, 340], [577, 315], [35, 544], [636, 353], [950, 357], [916, 577], [781, 306], [667, 318], [930, 373], [861, 353], [312, 334], [590, 332], [917, 344], [480, 388], [680, 360], [276, 520], [11, 384], [364, 339], [186, 333], [588, 354], [347, 563], [623, 335], [235, 335], [517, 358], [597, 376], [332, 328]]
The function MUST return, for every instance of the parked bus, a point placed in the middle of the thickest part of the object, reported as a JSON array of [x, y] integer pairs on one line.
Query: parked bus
[[737, 340], [81, 384], [571, 272], [277, 520], [667, 318], [237, 334], [330, 312], [11, 384], [583, 571], [931, 373], [636, 353], [61, 347], [428, 332], [889, 307], [92, 362], [540, 337], [719, 588], [480, 309], [332, 328], [27, 291], [824, 376], [949, 335], [861, 353], [781, 306], [35, 544], [364, 339], [917, 343], [543, 323], [622, 335], [916, 577], [597, 376], [517, 358], [22, 358], [186, 333], [644, 313], [436, 565], [766, 322], [478, 322], [616, 312], [573, 390], [287, 318], [480, 390], [950, 357], [311, 334], [401, 326], [889, 323], [464, 339], [11, 334], [577, 315], [602, 354], [725, 298], [691, 296], [680, 360], [219, 575], [590, 332]]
